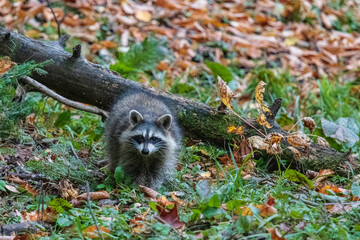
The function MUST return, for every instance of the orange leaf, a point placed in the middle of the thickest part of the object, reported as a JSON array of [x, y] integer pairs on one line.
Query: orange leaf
[[155, 195], [92, 232], [5, 64], [338, 191], [275, 235]]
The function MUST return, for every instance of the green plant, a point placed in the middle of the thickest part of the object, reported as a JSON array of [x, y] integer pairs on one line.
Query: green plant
[[141, 57]]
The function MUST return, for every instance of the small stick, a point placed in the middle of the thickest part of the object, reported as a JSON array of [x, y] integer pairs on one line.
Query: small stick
[[70, 103], [91, 212], [57, 22]]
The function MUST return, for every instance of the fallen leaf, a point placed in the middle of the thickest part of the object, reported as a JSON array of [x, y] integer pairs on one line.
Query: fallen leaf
[[339, 208], [344, 130], [162, 200], [275, 234], [138, 225], [48, 215], [322, 141], [295, 151], [92, 232], [309, 123], [258, 142], [170, 216], [94, 195], [323, 174], [144, 16], [263, 121], [5, 64], [298, 140], [274, 138], [225, 92], [11, 188], [236, 130], [259, 92]]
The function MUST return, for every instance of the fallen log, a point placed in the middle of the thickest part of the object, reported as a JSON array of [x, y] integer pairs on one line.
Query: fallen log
[[77, 79]]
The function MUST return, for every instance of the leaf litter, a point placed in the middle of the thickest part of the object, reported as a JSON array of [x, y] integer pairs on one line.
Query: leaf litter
[[265, 31]]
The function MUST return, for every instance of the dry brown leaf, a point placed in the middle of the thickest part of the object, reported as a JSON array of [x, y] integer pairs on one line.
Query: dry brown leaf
[[24, 185], [5, 64], [322, 141], [323, 174], [263, 121], [298, 140], [67, 190], [258, 142], [94, 195], [144, 16], [155, 195], [176, 199], [225, 92], [92, 232], [275, 137], [295, 151], [259, 92], [49, 215], [275, 234], [309, 123], [339, 208], [266, 209]]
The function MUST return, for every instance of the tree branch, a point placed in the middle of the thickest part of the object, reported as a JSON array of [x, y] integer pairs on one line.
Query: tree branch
[[70, 103]]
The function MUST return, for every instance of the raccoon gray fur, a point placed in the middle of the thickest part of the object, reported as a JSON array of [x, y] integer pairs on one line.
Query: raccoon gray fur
[[143, 136]]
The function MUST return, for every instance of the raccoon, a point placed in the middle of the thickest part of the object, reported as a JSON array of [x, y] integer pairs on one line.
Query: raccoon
[[143, 136]]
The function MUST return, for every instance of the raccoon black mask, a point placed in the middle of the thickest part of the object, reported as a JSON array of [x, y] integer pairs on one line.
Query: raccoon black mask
[[149, 137]]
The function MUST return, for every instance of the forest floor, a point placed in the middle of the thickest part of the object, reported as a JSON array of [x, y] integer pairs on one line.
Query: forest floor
[[308, 54]]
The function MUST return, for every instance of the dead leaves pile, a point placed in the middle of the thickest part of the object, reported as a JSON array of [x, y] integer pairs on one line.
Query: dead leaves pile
[[308, 50]]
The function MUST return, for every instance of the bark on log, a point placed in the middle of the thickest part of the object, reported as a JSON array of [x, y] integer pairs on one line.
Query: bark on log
[[75, 78]]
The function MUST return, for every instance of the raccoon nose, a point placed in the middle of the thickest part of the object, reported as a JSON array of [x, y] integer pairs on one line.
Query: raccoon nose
[[145, 151]]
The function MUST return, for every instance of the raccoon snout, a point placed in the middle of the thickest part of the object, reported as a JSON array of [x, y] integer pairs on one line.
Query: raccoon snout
[[145, 151]]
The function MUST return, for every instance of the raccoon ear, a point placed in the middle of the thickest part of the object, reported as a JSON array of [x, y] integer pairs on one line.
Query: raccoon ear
[[135, 117], [165, 121]]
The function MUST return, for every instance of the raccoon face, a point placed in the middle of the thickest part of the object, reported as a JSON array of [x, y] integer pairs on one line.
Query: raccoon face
[[149, 137]]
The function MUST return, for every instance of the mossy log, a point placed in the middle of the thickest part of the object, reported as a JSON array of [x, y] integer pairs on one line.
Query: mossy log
[[75, 78]]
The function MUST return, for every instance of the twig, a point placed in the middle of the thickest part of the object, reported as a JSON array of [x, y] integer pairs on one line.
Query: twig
[[303, 200], [91, 212], [57, 22], [64, 100], [248, 123], [176, 231], [76, 156]]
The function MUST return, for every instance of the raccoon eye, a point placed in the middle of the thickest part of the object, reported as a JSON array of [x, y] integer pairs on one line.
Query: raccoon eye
[[138, 138], [154, 139]]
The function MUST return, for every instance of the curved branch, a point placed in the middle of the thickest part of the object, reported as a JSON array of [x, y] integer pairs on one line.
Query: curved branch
[[63, 100]]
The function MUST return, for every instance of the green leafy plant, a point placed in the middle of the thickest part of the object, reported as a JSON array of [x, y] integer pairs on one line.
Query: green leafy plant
[[141, 57]]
